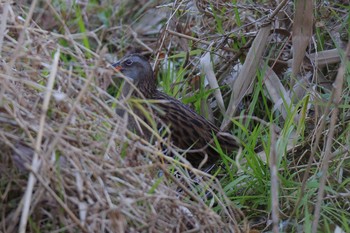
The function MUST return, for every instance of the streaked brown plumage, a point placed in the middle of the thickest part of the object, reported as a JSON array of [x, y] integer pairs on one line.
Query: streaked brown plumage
[[188, 129]]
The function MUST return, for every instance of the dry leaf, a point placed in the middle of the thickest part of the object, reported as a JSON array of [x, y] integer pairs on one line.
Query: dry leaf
[[248, 73], [213, 83], [302, 32]]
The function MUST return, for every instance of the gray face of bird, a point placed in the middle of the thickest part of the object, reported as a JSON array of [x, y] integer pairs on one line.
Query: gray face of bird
[[137, 72], [135, 67]]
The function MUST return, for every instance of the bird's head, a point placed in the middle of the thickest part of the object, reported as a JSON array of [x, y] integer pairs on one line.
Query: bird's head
[[137, 68]]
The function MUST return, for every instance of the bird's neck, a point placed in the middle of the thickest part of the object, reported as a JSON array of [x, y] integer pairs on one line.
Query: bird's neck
[[148, 87]]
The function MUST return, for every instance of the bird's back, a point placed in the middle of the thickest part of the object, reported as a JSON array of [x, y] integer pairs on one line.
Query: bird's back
[[191, 130]]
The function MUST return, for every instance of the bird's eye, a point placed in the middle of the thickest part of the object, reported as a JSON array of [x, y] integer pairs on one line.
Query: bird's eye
[[128, 62]]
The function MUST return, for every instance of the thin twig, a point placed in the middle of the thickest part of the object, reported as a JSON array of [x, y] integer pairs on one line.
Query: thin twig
[[36, 162], [197, 40], [274, 179], [337, 89]]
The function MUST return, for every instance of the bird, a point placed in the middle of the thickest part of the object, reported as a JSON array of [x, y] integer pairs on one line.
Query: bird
[[188, 130]]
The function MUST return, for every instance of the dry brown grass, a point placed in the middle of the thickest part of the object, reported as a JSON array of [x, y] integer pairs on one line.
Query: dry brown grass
[[66, 157], [69, 163]]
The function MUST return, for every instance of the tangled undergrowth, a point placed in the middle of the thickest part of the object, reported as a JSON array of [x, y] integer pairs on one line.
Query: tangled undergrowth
[[69, 163]]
